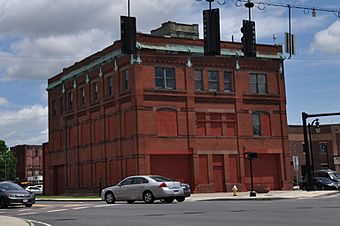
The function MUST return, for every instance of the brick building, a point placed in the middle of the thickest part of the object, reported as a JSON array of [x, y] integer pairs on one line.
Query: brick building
[[168, 110], [29, 167], [325, 148]]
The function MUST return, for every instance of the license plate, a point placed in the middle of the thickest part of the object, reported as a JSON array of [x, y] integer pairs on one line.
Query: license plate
[[25, 200], [176, 192]]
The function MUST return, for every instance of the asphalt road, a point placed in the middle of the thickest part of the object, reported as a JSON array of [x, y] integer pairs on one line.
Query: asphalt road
[[320, 211]]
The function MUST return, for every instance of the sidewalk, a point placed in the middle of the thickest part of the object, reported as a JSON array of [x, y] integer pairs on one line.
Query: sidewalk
[[12, 221], [272, 195]]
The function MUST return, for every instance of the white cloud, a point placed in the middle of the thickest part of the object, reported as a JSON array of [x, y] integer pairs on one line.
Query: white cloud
[[3, 101], [328, 40], [25, 126]]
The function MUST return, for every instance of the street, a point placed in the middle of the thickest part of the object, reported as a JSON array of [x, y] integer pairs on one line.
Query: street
[[317, 211]]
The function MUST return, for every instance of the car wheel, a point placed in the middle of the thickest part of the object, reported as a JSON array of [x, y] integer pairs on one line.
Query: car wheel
[[148, 197], [130, 201], [29, 205], [180, 199], [3, 203], [169, 200], [110, 198]]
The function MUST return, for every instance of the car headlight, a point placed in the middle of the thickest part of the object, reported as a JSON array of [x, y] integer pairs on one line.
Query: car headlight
[[10, 195]]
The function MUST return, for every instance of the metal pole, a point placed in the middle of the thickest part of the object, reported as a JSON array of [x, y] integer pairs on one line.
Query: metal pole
[[128, 8], [290, 30], [306, 149], [252, 192], [311, 148]]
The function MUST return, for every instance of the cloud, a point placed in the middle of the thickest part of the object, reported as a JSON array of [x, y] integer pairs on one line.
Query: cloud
[[25, 126], [327, 41], [3, 101]]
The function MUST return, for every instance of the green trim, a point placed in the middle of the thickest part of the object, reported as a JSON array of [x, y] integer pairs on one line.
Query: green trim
[[168, 47]]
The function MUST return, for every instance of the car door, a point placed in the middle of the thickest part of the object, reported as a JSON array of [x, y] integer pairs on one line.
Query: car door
[[122, 190], [137, 188]]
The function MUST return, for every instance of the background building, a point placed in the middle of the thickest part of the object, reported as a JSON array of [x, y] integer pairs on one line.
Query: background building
[[168, 110], [325, 146], [29, 167]]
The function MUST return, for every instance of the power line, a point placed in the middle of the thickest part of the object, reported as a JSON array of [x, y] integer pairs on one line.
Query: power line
[[264, 5]]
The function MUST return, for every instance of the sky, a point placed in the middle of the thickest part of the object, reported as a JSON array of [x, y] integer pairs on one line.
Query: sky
[[40, 37]]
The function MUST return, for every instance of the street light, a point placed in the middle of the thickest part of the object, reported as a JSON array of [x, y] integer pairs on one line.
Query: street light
[[318, 130]]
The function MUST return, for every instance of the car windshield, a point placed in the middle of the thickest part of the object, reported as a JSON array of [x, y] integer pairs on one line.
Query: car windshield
[[10, 187], [334, 176], [160, 179]]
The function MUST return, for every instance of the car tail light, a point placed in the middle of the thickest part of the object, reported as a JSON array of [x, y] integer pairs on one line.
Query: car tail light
[[162, 185]]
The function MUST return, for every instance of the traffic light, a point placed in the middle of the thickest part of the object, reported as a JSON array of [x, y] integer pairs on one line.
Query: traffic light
[[128, 34], [248, 38], [250, 155], [211, 27]]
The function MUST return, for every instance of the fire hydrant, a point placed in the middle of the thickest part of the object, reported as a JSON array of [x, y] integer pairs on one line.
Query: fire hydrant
[[234, 190]]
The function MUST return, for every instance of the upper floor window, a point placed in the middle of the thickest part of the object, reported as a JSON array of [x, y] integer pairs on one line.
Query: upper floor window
[[69, 100], [198, 80], [54, 108], [213, 83], [61, 104], [228, 81], [165, 78], [109, 86], [261, 124], [81, 96], [258, 83], [94, 91], [126, 80]]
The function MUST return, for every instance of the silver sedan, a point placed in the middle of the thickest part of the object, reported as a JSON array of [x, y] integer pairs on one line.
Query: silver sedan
[[144, 188]]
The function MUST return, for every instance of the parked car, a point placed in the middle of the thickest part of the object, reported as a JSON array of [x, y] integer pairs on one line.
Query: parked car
[[328, 173], [34, 189], [13, 194], [144, 188], [323, 183], [186, 190]]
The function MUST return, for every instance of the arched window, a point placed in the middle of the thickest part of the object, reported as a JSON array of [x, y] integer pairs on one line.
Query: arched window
[[166, 122], [261, 123]]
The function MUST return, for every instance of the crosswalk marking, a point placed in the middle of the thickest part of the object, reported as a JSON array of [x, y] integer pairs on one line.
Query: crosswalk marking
[[23, 214], [80, 208], [58, 210]]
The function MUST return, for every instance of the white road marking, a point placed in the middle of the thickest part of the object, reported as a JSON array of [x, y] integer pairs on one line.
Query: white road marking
[[38, 222], [103, 205], [58, 210], [2, 212], [23, 214], [24, 210], [80, 208]]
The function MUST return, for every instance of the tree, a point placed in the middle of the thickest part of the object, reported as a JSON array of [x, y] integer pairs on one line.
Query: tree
[[7, 163]]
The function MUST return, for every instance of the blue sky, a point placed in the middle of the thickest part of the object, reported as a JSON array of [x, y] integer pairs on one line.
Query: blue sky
[[40, 37]]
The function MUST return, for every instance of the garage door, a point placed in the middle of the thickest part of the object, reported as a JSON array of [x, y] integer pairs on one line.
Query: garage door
[[177, 167], [266, 171]]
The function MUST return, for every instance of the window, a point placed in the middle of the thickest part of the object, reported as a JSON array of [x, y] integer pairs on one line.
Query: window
[[228, 82], [215, 124], [54, 108], [258, 83], [165, 78], [61, 104], [94, 91], [126, 80], [261, 124], [213, 81], [200, 124], [81, 96], [109, 86], [198, 80], [166, 122], [69, 100]]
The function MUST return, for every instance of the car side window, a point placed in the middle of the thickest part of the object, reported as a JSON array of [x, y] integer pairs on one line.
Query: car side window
[[127, 181], [137, 180], [145, 181]]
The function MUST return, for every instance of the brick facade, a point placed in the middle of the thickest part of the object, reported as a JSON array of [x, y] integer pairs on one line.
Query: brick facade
[[29, 161], [152, 120]]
